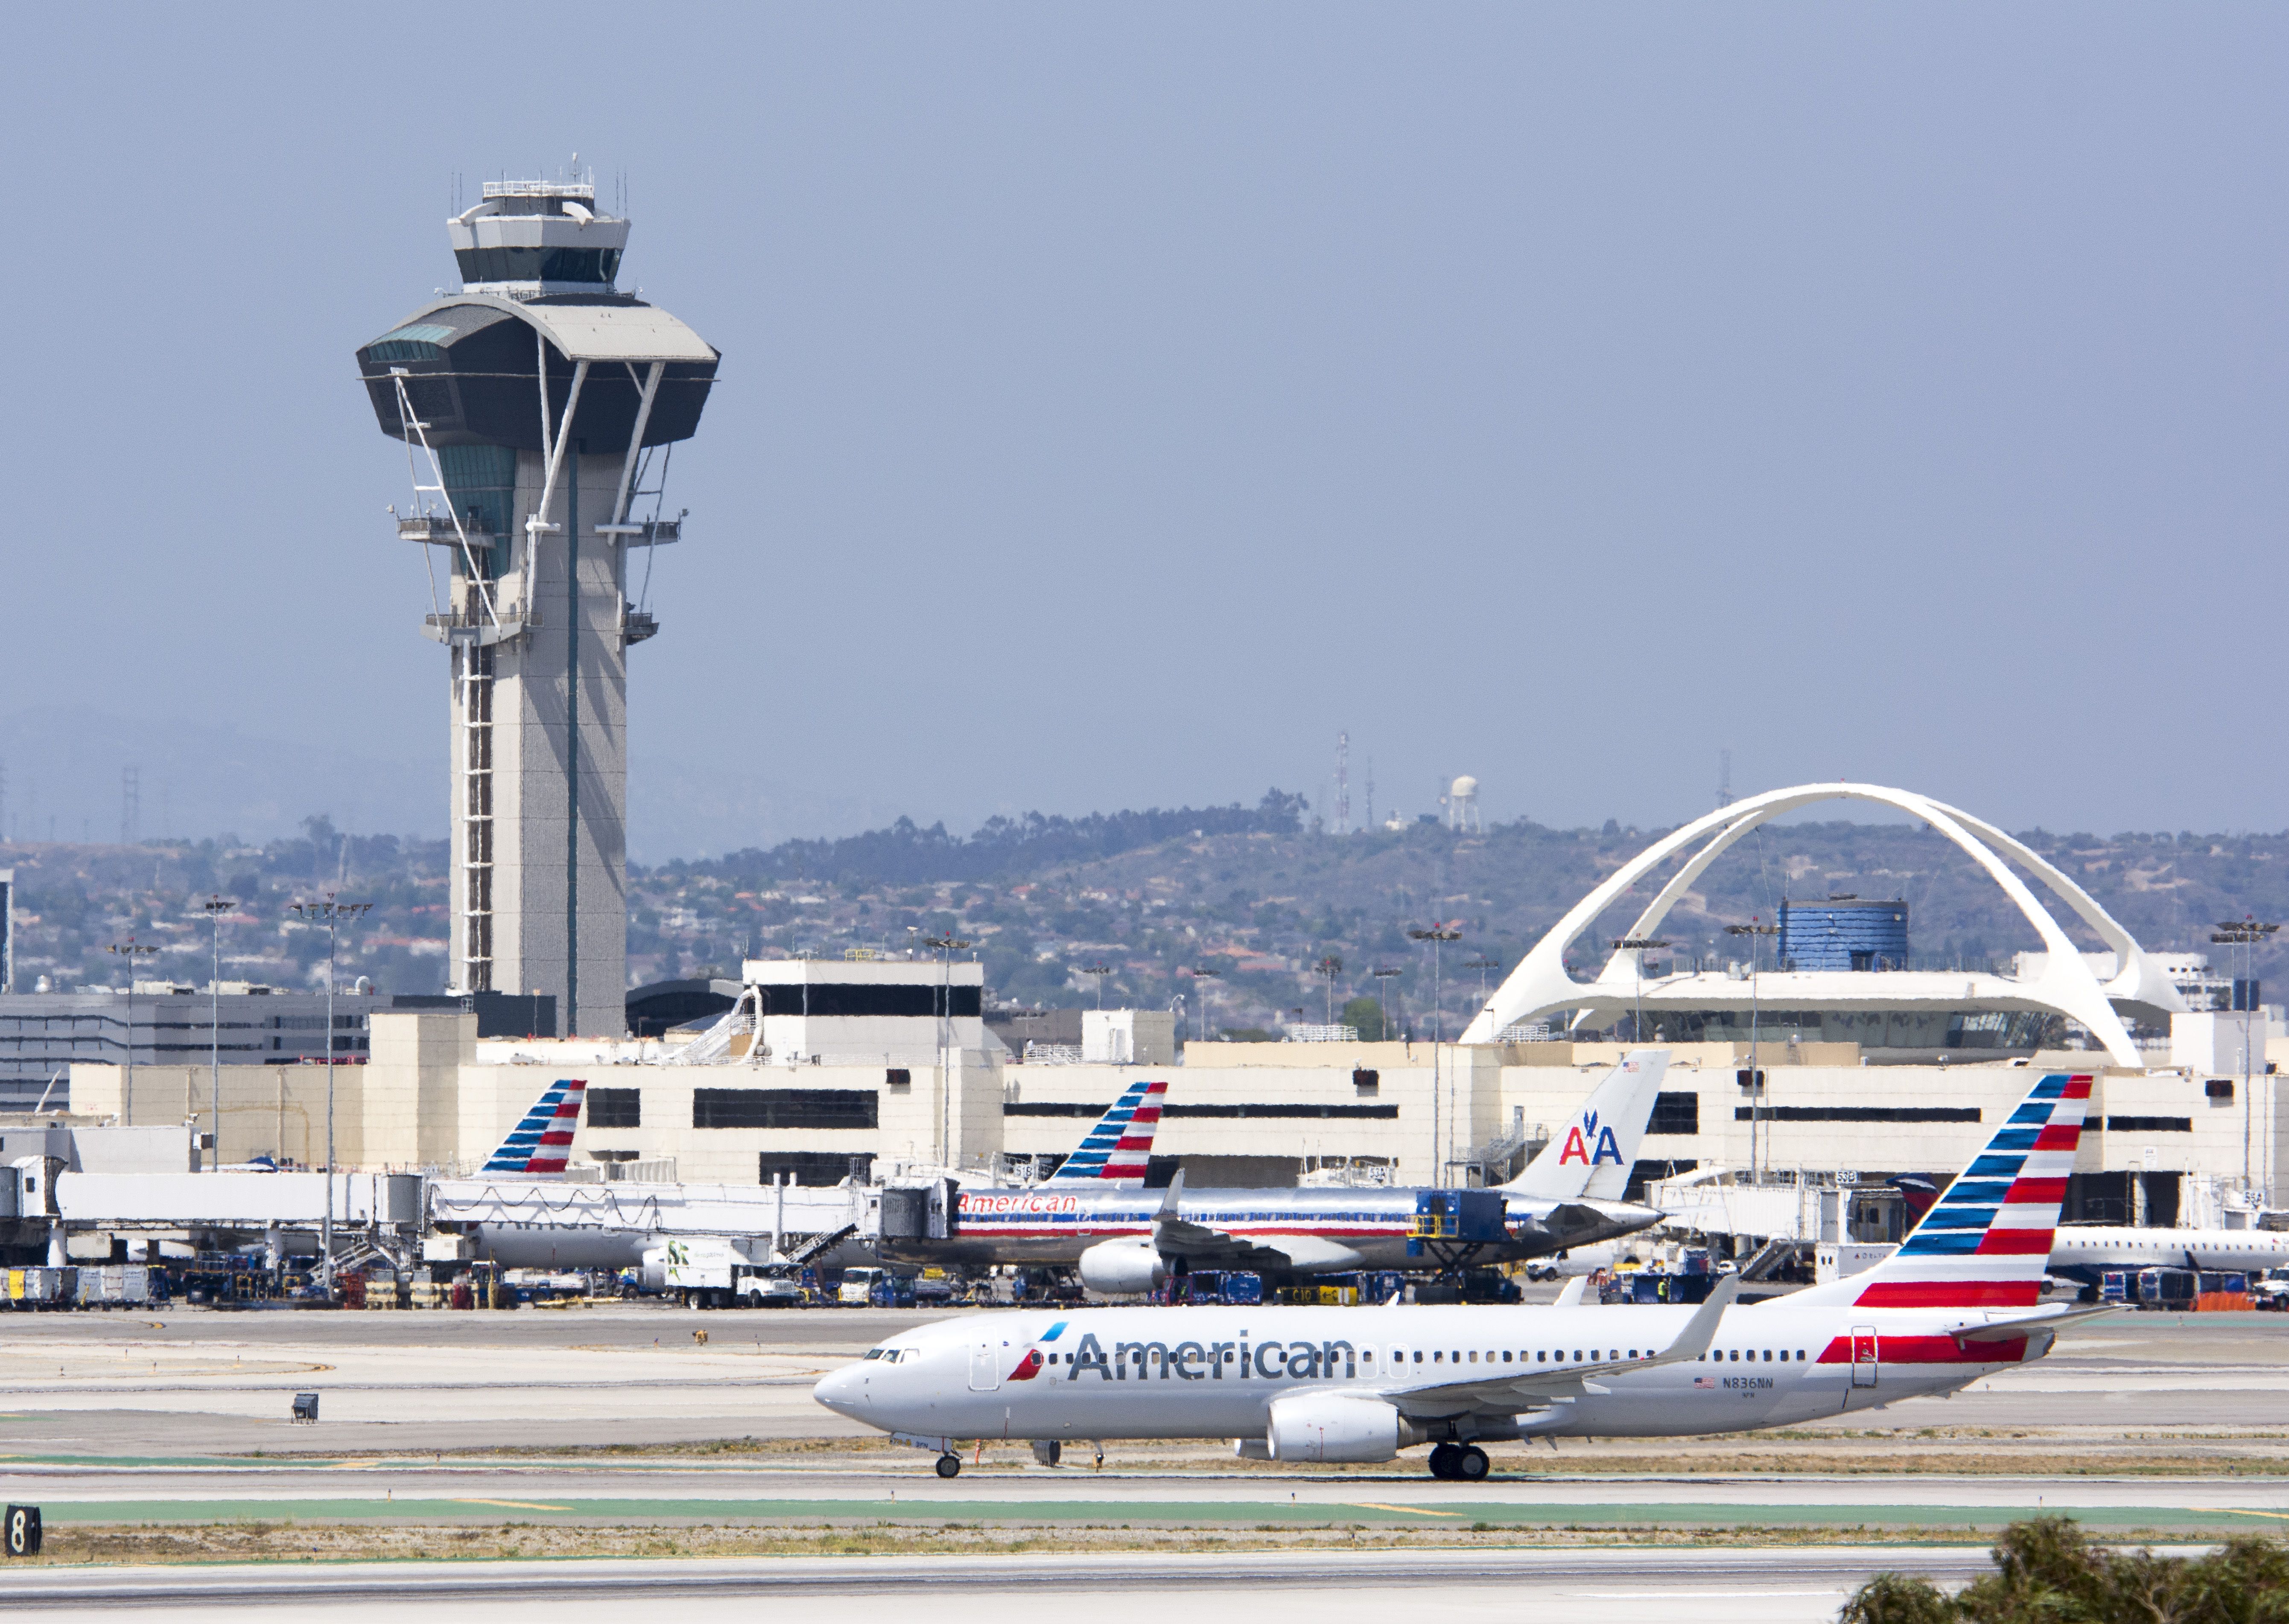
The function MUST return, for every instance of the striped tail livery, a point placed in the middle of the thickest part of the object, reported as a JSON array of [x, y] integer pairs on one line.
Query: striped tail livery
[[1114, 1154], [1985, 1243], [540, 1145]]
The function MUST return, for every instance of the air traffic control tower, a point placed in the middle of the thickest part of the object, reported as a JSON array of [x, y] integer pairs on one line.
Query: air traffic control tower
[[538, 408]]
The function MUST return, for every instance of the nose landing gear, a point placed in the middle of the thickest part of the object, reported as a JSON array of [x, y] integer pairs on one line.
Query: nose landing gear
[[1459, 1462]]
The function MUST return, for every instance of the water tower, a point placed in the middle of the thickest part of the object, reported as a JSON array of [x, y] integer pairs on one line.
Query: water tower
[[1461, 799], [538, 406]]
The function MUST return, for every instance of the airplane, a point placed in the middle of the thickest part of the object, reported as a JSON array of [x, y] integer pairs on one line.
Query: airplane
[[2081, 1253], [1568, 1196], [1959, 1300], [583, 1226]]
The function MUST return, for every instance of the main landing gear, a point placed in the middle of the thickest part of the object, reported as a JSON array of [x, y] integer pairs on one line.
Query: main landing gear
[[1461, 1462], [950, 1466]]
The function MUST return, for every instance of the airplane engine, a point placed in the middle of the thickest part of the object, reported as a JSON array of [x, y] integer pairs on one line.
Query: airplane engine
[[1124, 1267], [1321, 1427]]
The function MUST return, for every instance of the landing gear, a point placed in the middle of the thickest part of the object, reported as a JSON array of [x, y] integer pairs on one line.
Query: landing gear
[[949, 1466], [1459, 1462]]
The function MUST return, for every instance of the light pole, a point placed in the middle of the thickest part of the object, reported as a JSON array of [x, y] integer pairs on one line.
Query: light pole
[[947, 945], [1382, 973], [1200, 973], [1752, 930], [2246, 934], [1100, 971], [332, 911], [1440, 933], [1327, 969], [129, 950], [1635, 947], [1483, 963], [216, 907]]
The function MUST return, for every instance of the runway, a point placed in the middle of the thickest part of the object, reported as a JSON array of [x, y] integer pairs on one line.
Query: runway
[[1570, 1586]]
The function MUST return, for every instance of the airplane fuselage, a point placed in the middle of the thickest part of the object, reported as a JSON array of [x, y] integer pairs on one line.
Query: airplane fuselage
[[1214, 1372], [1342, 1229], [2084, 1251]]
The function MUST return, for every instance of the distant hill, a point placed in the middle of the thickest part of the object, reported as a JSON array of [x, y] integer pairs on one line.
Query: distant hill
[[1255, 893]]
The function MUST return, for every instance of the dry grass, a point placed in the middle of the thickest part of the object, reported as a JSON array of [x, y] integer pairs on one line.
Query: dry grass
[[86, 1544]]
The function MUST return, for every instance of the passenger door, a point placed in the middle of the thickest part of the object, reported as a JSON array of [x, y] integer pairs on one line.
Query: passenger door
[[1863, 1356], [986, 1355]]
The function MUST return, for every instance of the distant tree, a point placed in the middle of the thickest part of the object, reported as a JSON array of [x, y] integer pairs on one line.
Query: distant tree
[[1364, 1016]]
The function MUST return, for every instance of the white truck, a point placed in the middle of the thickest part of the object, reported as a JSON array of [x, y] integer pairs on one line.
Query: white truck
[[711, 1272]]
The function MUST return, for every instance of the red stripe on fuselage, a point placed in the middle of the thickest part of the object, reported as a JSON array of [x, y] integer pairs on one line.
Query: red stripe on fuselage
[[1930, 1350], [1951, 1295]]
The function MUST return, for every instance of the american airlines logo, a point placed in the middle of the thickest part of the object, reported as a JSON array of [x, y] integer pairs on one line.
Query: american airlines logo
[[984, 1204], [1580, 1138]]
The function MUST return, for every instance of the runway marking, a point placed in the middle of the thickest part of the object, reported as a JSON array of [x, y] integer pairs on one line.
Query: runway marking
[[518, 1505], [1372, 1505], [2280, 1516]]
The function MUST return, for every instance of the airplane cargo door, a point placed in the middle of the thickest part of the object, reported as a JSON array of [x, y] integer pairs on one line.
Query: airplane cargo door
[[1863, 1356], [985, 1355]]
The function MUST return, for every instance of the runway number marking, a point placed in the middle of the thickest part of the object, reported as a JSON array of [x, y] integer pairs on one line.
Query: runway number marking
[[1369, 1505], [518, 1505]]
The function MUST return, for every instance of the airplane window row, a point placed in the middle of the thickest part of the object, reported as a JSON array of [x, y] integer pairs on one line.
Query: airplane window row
[[1443, 1356]]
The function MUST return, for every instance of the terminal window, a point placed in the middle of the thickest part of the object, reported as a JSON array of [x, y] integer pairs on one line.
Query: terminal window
[[813, 1170], [1675, 1114], [775, 1107], [616, 1107]]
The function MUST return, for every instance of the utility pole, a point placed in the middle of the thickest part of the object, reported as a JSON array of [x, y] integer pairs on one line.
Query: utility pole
[[1635, 947], [130, 950], [216, 906], [1439, 933], [1327, 969], [1752, 930], [330, 911]]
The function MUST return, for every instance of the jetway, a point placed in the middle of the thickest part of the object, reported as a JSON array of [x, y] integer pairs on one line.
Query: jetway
[[235, 1200]]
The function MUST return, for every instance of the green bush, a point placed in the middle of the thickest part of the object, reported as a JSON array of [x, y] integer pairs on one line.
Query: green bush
[[2048, 1572]]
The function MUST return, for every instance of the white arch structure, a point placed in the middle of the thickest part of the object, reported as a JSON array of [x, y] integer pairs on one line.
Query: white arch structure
[[1540, 985]]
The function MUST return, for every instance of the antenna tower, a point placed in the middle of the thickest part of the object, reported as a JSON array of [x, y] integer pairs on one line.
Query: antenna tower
[[1724, 778], [130, 804], [1342, 784], [1370, 794]]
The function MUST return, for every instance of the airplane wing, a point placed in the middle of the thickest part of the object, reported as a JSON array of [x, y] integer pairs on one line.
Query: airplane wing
[[1202, 1247], [2004, 1330], [1528, 1390]]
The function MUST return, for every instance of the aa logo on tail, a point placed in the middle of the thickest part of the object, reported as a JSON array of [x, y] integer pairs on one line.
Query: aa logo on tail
[[1588, 1132]]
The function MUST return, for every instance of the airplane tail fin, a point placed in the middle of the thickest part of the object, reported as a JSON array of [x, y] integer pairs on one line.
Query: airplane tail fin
[[1984, 1243], [1115, 1152], [539, 1145], [1592, 1159]]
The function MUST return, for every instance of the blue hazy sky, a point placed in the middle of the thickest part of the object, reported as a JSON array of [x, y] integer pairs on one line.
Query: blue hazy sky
[[1117, 401]]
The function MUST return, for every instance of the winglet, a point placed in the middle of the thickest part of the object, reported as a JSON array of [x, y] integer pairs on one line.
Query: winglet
[[1701, 1330], [1569, 1295]]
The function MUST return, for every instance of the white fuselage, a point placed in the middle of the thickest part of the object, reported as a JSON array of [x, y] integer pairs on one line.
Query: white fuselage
[[1213, 1372], [2084, 1249]]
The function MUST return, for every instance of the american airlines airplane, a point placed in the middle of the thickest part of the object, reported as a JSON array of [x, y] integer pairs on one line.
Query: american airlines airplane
[[1960, 1300], [1568, 1196]]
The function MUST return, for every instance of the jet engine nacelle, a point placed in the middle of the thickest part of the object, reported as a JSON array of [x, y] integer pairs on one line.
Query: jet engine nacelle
[[1124, 1267], [1318, 1427]]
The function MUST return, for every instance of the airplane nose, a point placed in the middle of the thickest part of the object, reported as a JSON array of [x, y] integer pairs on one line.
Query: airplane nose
[[838, 1390]]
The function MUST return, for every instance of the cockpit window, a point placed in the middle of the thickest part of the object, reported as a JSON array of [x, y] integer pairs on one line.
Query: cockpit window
[[876, 1353]]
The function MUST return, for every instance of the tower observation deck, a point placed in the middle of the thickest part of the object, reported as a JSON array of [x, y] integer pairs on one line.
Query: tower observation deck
[[538, 408]]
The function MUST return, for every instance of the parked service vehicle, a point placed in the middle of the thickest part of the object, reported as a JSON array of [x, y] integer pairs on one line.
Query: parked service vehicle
[[2268, 1292], [715, 1272]]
